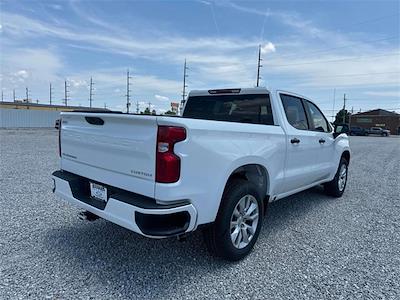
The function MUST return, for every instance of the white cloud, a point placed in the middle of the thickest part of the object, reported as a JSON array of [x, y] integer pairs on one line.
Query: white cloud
[[161, 98], [267, 48], [21, 75], [225, 61], [78, 83], [384, 94]]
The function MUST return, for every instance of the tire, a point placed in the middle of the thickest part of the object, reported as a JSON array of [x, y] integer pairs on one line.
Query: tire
[[220, 236], [336, 187]]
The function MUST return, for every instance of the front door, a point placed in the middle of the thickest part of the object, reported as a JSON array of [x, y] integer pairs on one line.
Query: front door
[[324, 137], [303, 147]]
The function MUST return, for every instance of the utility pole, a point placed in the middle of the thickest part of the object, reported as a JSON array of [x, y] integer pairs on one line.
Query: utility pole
[[14, 95], [128, 91], [137, 107], [27, 94], [184, 84], [105, 105], [2, 96], [259, 65], [91, 92], [51, 93], [150, 107], [352, 108], [344, 108], [333, 107], [66, 93]]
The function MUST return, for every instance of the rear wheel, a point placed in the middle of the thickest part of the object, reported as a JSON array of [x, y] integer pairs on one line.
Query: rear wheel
[[337, 186], [238, 223]]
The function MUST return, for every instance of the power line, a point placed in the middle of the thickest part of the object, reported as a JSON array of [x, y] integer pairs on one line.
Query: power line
[[128, 91], [334, 60], [259, 65], [91, 92], [341, 47], [332, 76]]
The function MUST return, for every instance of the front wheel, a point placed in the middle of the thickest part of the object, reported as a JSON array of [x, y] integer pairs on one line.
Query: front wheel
[[238, 223], [337, 186]]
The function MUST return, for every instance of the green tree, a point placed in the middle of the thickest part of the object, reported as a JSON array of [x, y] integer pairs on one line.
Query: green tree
[[147, 111], [170, 113], [339, 117]]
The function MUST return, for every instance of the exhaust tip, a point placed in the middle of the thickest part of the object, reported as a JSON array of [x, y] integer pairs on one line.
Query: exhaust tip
[[88, 216]]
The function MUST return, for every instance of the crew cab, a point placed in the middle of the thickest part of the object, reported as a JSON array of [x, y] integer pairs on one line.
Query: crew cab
[[216, 167]]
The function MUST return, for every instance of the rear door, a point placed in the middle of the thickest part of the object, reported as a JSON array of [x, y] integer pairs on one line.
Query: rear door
[[114, 149], [302, 163]]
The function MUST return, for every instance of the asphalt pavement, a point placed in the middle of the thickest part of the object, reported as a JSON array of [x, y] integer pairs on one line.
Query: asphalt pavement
[[311, 246]]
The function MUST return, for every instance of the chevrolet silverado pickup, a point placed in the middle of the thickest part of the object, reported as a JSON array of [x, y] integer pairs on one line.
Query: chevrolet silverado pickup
[[215, 167]]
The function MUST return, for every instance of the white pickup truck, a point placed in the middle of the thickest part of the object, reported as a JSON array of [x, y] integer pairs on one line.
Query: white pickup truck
[[216, 167]]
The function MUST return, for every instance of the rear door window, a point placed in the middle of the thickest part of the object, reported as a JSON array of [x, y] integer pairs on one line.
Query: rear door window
[[254, 108], [294, 111]]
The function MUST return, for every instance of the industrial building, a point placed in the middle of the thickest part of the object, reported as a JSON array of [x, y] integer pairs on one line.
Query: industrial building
[[32, 115], [377, 118]]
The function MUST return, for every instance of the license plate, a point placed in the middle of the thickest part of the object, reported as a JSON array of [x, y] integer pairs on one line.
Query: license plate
[[98, 191]]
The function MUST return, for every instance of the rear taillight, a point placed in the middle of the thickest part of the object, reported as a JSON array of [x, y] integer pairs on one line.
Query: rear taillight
[[168, 164]]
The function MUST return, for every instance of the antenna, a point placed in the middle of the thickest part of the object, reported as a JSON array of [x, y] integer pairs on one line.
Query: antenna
[[128, 91], [91, 92], [259, 65], [66, 93]]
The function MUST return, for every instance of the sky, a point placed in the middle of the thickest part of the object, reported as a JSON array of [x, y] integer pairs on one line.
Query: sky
[[319, 49]]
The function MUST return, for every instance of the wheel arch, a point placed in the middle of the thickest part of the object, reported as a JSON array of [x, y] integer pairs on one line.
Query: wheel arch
[[346, 155], [255, 173]]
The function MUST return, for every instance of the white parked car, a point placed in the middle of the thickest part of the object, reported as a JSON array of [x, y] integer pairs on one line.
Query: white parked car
[[217, 167]]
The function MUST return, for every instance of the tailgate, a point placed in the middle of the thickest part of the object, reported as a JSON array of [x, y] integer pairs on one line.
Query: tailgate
[[114, 149]]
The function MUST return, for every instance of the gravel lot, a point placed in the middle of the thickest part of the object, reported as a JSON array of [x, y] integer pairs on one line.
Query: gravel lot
[[311, 246]]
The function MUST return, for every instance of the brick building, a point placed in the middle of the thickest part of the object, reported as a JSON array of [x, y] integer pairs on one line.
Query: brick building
[[377, 118]]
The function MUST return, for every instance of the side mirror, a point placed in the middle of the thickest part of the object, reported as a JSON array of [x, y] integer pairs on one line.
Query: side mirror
[[339, 129]]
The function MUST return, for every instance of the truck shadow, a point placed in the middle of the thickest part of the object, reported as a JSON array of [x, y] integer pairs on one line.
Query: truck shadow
[[106, 254]]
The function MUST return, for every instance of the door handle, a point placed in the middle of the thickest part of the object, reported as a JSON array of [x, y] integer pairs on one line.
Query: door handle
[[321, 141], [295, 141]]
